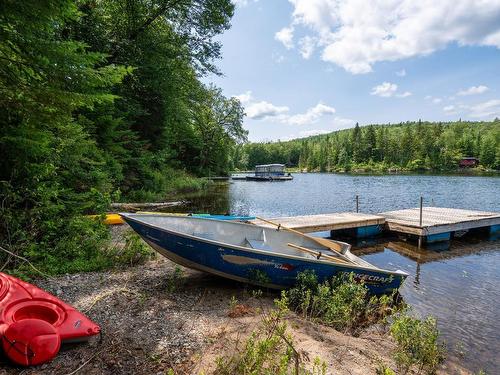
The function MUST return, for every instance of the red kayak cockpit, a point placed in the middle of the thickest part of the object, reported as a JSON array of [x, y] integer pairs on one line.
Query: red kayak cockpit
[[33, 323]]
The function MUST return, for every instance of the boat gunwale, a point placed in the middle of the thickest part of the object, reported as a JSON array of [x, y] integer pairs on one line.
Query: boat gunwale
[[257, 251]]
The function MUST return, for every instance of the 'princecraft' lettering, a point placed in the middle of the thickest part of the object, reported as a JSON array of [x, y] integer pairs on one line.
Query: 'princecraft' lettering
[[371, 278]]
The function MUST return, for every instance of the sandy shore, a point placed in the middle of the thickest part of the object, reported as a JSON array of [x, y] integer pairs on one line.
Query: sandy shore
[[159, 316]]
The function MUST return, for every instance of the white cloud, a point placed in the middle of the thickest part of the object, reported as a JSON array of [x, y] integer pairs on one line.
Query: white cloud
[[473, 90], [435, 100], [401, 73], [243, 3], [310, 133], [245, 97], [385, 89], [285, 36], [490, 108], [261, 109], [404, 94], [343, 123], [277, 57], [317, 14], [258, 110], [338, 123], [356, 34], [311, 115], [450, 109], [307, 45]]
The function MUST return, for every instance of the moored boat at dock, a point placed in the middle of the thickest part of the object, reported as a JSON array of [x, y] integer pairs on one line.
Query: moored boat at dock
[[255, 254], [270, 172]]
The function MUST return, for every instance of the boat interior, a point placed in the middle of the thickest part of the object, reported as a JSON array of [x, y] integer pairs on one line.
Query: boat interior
[[245, 235]]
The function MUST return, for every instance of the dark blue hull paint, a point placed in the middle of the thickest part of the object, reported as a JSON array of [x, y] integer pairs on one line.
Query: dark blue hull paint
[[253, 267]]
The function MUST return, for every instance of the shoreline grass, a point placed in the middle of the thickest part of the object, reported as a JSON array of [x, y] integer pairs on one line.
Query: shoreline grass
[[346, 306]]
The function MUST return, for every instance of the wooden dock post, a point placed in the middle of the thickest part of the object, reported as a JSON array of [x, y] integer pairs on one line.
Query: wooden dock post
[[420, 220], [357, 203], [421, 209]]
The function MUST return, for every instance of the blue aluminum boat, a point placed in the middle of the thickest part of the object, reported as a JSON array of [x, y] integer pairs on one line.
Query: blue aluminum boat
[[254, 254]]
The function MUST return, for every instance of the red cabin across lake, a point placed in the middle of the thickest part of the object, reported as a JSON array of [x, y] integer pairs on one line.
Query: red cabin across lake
[[468, 162]]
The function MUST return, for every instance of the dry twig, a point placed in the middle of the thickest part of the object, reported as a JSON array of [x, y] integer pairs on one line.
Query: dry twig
[[25, 260]]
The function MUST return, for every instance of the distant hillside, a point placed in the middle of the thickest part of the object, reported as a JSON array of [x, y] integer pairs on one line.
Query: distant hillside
[[411, 146]]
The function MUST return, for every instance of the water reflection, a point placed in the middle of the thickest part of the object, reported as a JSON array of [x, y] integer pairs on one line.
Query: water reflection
[[430, 252], [213, 200], [458, 284]]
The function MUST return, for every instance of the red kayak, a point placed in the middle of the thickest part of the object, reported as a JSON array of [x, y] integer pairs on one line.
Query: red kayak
[[34, 323]]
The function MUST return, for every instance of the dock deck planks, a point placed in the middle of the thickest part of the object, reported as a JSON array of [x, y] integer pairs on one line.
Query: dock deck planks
[[436, 220], [326, 222]]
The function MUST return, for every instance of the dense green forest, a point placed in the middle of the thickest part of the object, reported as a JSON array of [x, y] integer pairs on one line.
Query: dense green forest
[[100, 101], [411, 146]]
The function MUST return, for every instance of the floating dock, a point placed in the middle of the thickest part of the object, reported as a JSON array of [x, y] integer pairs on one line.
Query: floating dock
[[438, 223], [356, 224], [432, 224], [219, 178]]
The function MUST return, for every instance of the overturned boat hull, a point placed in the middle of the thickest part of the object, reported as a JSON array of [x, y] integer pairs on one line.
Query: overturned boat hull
[[254, 261]]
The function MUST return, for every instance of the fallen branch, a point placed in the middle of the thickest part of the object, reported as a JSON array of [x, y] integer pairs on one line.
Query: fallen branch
[[107, 294], [91, 358], [25, 260], [86, 362], [138, 206]]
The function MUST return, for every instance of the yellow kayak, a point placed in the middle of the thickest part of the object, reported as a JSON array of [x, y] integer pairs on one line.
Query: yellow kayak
[[115, 219], [110, 219]]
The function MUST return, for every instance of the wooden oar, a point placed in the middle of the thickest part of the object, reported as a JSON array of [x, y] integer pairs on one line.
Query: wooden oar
[[335, 247], [318, 254]]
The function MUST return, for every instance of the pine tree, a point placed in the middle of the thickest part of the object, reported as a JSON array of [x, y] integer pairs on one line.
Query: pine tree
[[356, 145], [370, 143]]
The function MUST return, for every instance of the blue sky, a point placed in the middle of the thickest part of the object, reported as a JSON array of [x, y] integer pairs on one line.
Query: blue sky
[[304, 67]]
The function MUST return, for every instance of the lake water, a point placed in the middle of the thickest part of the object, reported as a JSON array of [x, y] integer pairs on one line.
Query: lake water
[[458, 283]]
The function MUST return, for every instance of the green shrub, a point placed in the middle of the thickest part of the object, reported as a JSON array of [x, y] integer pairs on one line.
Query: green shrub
[[175, 280], [258, 276], [417, 344], [340, 303], [78, 249], [383, 369], [157, 185], [135, 251], [269, 350]]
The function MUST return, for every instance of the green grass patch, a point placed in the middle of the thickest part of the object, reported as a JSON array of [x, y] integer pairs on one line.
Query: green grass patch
[[165, 183], [340, 303], [84, 246], [134, 251], [417, 344], [345, 305], [270, 350]]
